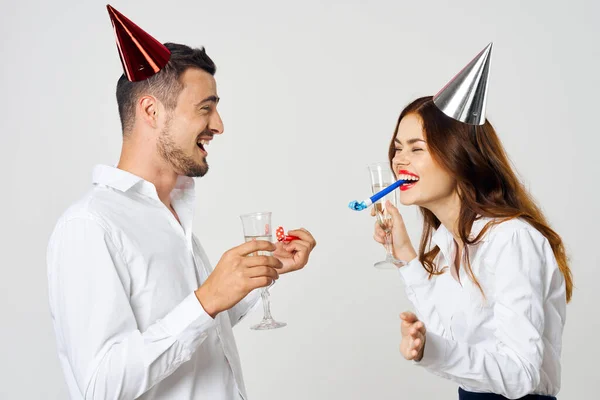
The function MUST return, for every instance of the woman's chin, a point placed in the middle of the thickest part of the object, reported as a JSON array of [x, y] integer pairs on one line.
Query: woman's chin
[[407, 201]]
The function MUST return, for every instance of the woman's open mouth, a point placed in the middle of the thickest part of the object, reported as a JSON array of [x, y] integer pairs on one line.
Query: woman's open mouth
[[408, 176]]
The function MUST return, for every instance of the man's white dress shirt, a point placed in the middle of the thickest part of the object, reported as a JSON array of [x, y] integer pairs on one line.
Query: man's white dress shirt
[[122, 274], [509, 342]]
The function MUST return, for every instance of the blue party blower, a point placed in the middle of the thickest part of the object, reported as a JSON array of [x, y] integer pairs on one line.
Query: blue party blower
[[359, 206]]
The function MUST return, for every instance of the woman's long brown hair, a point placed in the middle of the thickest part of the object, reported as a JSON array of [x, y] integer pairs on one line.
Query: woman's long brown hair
[[486, 184]]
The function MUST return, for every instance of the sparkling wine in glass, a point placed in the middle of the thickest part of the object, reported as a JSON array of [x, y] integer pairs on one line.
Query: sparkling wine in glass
[[257, 226], [381, 177]]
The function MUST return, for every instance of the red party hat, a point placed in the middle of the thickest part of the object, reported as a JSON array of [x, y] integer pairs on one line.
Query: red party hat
[[141, 55]]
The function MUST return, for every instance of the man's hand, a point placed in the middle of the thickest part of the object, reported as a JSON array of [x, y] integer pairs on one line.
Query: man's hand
[[294, 255], [236, 275], [413, 337]]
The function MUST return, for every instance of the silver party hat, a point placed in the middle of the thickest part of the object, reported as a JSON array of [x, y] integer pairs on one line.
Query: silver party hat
[[464, 97]]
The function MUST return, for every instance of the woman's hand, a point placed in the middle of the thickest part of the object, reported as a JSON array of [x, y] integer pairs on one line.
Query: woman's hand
[[402, 248], [413, 336]]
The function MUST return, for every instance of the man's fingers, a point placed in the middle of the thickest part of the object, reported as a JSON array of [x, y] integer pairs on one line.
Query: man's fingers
[[254, 246], [304, 235], [256, 261], [263, 271], [281, 251], [261, 281], [297, 245]]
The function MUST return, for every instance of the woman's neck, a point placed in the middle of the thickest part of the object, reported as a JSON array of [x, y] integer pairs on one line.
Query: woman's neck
[[447, 210]]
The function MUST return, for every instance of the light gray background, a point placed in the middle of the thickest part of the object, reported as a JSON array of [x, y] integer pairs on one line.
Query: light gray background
[[310, 94]]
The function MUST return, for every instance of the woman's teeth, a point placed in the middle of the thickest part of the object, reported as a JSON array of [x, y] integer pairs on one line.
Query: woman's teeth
[[408, 177]]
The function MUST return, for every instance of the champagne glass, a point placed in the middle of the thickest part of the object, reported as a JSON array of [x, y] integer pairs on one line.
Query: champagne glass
[[381, 177], [257, 226]]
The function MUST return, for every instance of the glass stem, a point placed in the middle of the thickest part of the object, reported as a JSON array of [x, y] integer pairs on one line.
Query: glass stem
[[266, 304], [388, 244]]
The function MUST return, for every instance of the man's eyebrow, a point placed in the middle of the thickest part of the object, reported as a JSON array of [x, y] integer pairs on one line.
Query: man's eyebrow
[[214, 99]]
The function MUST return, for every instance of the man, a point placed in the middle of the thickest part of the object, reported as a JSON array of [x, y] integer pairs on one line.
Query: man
[[137, 310]]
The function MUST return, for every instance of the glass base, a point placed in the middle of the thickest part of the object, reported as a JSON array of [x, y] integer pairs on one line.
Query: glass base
[[266, 324], [389, 263]]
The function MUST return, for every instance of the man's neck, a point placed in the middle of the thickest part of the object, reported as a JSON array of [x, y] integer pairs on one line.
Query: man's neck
[[146, 166]]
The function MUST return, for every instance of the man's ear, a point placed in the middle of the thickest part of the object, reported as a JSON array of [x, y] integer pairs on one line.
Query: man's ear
[[147, 109]]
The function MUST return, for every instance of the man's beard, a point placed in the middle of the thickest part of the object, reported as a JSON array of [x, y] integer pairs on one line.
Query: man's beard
[[182, 163]]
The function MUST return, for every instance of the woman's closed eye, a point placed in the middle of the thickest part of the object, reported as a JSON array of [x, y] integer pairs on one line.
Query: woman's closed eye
[[414, 149]]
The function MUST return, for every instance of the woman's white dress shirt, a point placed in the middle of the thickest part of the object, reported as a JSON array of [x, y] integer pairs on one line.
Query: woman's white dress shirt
[[509, 342]]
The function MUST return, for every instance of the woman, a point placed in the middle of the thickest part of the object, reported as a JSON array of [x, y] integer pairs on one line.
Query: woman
[[491, 281]]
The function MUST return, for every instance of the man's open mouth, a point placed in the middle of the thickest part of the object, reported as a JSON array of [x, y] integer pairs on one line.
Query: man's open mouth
[[202, 143]]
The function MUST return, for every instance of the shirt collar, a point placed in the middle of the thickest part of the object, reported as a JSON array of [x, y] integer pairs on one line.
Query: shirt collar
[[478, 226], [125, 181], [445, 241]]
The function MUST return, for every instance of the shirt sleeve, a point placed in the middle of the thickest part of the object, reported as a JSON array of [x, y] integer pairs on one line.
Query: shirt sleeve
[[511, 368], [420, 291], [109, 356], [244, 307]]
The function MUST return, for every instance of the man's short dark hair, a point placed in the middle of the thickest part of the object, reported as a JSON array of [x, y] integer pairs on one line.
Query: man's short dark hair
[[165, 84]]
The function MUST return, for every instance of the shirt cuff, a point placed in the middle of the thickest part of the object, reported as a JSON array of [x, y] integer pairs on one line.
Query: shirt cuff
[[413, 273], [247, 305], [188, 322], [253, 299], [434, 353]]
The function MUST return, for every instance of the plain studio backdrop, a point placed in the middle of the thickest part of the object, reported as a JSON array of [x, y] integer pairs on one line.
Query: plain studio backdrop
[[311, 91]]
